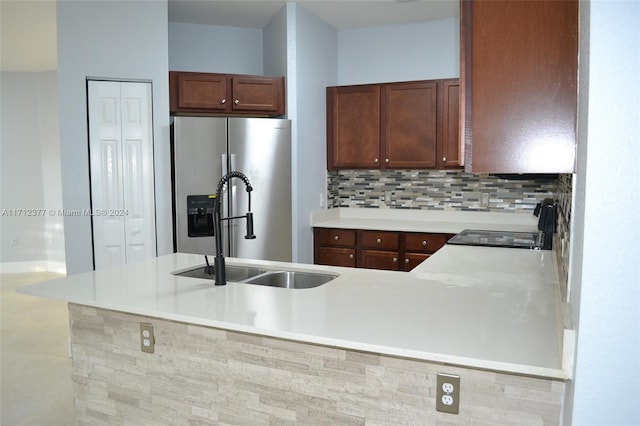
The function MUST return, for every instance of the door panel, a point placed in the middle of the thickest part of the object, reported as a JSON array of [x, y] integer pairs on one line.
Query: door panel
[[137, 141], [261, 149], [121, 161], [200, 153]]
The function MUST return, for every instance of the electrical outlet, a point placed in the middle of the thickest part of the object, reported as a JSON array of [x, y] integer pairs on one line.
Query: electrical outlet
[[448, 393], [147, 339]]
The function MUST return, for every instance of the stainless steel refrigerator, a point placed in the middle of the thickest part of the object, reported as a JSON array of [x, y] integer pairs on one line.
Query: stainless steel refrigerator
[[205, 149]]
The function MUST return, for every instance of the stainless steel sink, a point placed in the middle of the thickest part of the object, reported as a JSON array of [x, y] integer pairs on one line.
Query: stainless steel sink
[[292, 279], [260, 276], [234, 273]]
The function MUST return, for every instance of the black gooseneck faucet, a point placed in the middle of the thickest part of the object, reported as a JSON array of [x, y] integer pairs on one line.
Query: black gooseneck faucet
[[221, 276]]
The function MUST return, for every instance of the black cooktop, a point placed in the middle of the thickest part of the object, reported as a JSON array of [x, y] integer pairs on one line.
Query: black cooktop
[[473, 237]]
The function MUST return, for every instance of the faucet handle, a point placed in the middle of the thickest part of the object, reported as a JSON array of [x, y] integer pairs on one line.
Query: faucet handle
[[250, 235]]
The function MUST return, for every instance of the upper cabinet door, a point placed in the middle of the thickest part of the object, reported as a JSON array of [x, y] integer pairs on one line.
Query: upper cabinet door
[[520, 72], [450, 148], [257, 94], [353, 127], [409, 125], [202, 91]]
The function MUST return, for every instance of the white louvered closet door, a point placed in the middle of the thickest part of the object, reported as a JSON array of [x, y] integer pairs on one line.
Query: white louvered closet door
[[121, 157]]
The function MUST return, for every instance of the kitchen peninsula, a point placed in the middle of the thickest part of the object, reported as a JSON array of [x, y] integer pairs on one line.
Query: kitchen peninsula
[[365, 347]]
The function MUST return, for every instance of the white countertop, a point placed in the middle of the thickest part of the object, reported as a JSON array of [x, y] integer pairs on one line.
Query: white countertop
[[432, 221], [489, 308]]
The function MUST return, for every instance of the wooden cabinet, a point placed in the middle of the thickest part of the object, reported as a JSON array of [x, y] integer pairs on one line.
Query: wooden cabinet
[[390, 250], [379, 250], [419, 246], [519, 85], [224, 94], [335, 247], [353, 127], [392, 125], [409, 125], [450, 145]]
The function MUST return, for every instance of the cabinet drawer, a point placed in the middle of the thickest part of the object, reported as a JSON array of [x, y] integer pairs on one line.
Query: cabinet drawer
[[335, 237], [381, 240], [411, 260], [380, 259], [336, 256], [426, 243]]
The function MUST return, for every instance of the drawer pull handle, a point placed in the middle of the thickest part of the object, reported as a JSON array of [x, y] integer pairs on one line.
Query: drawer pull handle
[[395, 260], [424, 243], [224, 101], [335, 237], [378, 241], [236, 102]]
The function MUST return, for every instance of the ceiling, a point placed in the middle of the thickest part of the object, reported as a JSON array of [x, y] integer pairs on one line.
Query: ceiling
[[28, 27]]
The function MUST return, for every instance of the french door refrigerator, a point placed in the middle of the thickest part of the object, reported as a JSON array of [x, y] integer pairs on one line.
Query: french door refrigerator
[[206, 148]]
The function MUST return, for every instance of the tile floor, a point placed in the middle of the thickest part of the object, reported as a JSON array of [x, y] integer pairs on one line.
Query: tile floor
[[35, 368]]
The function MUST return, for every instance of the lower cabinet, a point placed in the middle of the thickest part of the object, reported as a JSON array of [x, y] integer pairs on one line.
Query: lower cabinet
[[396, 251]]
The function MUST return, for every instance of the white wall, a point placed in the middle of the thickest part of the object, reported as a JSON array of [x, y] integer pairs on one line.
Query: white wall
[[420, 51], [120, 40], [30, 170], [605, 276], [212, 48], [316, 68]]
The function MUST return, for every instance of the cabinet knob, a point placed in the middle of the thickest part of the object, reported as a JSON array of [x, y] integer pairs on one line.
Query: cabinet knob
[[224, 101], [350, 256], [375, 160], [386, 160], [335, 237], [236, 102], [378, 241], [424, 243], [406, 261], [444, 159], [395, 260]]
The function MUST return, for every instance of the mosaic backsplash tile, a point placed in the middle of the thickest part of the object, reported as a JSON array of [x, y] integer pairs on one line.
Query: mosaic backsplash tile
[[435, 190]]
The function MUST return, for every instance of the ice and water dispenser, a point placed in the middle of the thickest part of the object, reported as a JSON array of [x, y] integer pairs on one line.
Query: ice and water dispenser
[[200, 215]]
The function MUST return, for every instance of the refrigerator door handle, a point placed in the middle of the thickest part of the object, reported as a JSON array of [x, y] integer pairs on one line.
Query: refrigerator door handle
[[224, 168]]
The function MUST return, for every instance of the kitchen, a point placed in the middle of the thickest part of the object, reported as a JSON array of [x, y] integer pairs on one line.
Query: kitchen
[[76, 246]]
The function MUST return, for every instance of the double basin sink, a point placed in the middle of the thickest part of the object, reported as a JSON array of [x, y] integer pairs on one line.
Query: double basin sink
[[262, 276]]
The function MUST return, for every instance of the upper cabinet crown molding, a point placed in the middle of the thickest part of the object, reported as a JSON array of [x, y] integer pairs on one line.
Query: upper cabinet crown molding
[[225, 94], [393, 125], [519, 62]]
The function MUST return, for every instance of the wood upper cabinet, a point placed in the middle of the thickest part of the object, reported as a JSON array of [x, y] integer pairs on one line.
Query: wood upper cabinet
[[392, 125], [409, 125], [519, 77], [450, 145], [257, 94], [353, 127], [225, 94]]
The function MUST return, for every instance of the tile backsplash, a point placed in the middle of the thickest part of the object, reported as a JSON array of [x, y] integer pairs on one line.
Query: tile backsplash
[[435, 190]]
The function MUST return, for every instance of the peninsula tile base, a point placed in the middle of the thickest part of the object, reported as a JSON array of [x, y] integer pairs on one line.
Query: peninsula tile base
[[202, 376]]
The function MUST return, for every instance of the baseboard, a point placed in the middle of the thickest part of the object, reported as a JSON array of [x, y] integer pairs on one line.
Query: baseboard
[[33, 266]]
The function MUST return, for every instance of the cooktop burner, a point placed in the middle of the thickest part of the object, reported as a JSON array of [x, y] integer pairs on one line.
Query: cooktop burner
[[472, 237]]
